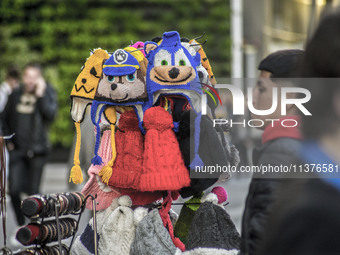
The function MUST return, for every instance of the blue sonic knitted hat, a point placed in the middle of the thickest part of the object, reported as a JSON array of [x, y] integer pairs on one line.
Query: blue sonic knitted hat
[[122, 84], [172, 70]]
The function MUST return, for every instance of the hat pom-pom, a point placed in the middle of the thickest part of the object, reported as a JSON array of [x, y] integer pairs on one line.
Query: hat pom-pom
[[138, 214], [211, 197], [97, 160], [221, 194], [125, 201]]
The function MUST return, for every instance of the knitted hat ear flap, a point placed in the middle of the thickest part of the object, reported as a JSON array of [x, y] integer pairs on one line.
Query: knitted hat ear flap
[[128, 166], [163, 166], [96, 160], [106, 171]]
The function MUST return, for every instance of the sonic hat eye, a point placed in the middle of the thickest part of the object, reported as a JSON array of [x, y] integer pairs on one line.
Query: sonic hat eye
[[164, 63], [131, 77], [182, 62], [110, 78]]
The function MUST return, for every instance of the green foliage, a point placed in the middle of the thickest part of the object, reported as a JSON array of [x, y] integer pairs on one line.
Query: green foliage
[[60, 33]]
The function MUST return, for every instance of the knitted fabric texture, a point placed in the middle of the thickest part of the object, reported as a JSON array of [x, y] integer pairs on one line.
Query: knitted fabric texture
[[165, 216], [118, 230], [140, 56], [212, 228], [172, 70], [211, 150], [122, 84], [111, 116], [94, 185], [211, 251], [125, 61], [84, 243], [86, 83], [204, 60], [142, 198], [82, 95], [128, 166], [221, 194], [168, 62], [139, 45], [185, 218], [151, 237], [163, 166]]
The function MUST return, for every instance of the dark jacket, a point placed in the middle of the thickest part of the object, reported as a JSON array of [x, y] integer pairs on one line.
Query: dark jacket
[[31, 123], [264, 191], [305, 218]]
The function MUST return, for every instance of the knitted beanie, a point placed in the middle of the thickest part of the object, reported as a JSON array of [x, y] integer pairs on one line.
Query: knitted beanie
[[84, 243], [128, 166], [139, 55], [152, 238], [212, 228], [204, 60], [82, 95], [122, 84], [139, 45], [163, 166], [94, 186], [185, 218], [118, 230]]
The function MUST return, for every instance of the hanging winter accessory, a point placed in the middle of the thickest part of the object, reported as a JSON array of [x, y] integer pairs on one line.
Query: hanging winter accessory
[[172, 72], [82, 95], [128, 166], [122, 84], [212, 232], [163, 166]]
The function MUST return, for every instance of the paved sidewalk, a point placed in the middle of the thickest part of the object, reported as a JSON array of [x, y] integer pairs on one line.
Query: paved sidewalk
[[55, 180]]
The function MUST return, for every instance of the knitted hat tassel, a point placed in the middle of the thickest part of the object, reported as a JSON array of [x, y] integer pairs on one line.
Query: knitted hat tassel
[[96, 160], [197, 161], [76, 174], [106, 171]]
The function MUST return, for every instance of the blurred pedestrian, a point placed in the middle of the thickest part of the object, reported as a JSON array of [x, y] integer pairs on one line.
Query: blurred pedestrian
[[305, 219], [28, 113], [11, 82], [280, 144]]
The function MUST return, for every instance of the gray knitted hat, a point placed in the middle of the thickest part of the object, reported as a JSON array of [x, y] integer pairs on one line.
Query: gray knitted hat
[[212, 228], [152, 238]]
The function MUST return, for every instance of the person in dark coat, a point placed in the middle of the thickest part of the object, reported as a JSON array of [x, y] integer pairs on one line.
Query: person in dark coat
[[29, 111], [305, 218], [280, 144]]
